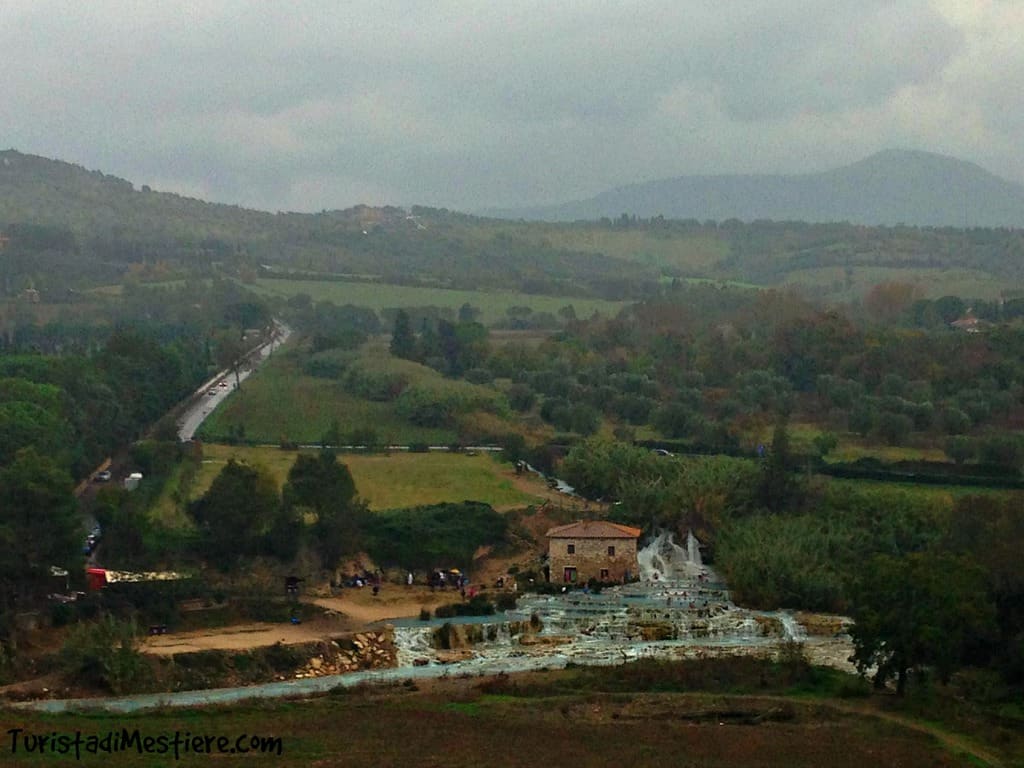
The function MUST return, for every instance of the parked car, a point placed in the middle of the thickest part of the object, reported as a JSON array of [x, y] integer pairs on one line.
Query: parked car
[[102, 477], [223, 385], [211, 392]]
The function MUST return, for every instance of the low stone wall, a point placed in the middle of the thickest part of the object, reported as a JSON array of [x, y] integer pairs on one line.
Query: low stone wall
[[334, 655], [823, 624], [365, 650]]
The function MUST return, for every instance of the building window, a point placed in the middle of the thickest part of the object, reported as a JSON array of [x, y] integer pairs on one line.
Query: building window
[[611, 551], [570, 549], [604, 574]]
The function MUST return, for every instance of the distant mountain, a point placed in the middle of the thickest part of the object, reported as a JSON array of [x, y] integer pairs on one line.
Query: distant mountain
[[890, 187]]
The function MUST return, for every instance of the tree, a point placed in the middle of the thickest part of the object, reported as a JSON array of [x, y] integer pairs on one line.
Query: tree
[[125, 528], [949, 308], [468, 313], [990, 531], [230, 352], [105, 653], [324, 485], [920, 610], [39, 523], [237, 513], [439, 535], [778, 487], [825, 443], [403, 341], [1004, 450], [673, 420], [894, 428], [886, 301], [25, 424], [862, 417], [521, 397], [960, 448]]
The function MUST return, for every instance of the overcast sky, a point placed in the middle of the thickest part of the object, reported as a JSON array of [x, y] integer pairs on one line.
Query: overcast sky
[[304, 105]]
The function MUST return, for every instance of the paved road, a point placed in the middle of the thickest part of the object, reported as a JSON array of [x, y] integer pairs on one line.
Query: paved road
[[203, 404]]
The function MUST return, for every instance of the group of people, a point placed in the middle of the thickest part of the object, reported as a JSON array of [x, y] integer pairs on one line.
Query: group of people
[[364, 579], [446, 579]]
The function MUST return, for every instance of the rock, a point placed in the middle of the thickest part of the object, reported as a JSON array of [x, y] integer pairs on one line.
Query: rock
[[447, 657], [823, 624], [316, 662], [545, 640]]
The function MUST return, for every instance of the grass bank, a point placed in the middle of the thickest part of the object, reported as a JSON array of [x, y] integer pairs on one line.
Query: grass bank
[[390, 481], [281, 403]]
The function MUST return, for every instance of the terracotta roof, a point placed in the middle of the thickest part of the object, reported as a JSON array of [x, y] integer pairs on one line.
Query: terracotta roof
[[593, 529]]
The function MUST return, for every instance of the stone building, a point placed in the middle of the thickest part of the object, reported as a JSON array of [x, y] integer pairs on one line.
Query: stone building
[[592, 549]]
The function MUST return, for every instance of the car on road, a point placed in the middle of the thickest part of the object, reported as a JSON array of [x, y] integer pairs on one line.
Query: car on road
[[102, 477], [223, 385], [211, 392]]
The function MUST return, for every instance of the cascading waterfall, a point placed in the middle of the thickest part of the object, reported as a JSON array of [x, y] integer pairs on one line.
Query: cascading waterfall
[[794, 631], [664, 560], [678, 607]]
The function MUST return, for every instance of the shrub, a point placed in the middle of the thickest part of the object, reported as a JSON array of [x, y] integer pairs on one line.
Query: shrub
[[477, 606], [435, 403], [106, 654], [282, 658], [506, 601], [330, 364], [424, 537], [478, 376], [375, 383]]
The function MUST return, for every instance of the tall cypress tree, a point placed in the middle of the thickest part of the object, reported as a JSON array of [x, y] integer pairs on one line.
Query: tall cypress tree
[[403, 342]]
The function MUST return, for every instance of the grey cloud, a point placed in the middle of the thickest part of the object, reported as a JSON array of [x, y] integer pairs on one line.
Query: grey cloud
[[313, 104]]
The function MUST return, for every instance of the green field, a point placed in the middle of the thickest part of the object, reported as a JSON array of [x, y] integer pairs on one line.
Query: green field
[[679, 252], [389, 481], [281, 403], [932, 282], [378, 296]]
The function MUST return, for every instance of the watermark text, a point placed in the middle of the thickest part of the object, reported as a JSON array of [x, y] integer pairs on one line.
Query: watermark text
[[176, 744]]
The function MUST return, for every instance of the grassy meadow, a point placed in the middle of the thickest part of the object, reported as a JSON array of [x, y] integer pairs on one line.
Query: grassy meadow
[[932, 283], [688, 253], [377, 296], [388, 481], [282, 403]]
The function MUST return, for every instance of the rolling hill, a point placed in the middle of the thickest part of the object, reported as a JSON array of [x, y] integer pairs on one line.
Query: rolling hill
[[890, 187], [68, 228]]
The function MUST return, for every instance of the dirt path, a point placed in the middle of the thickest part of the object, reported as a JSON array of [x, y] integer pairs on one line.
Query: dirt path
[[243, 637], [353, 611], [393, 602], [955, 743]]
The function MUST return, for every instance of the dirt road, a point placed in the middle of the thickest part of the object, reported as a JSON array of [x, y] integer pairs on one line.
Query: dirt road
[[353, 611]]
